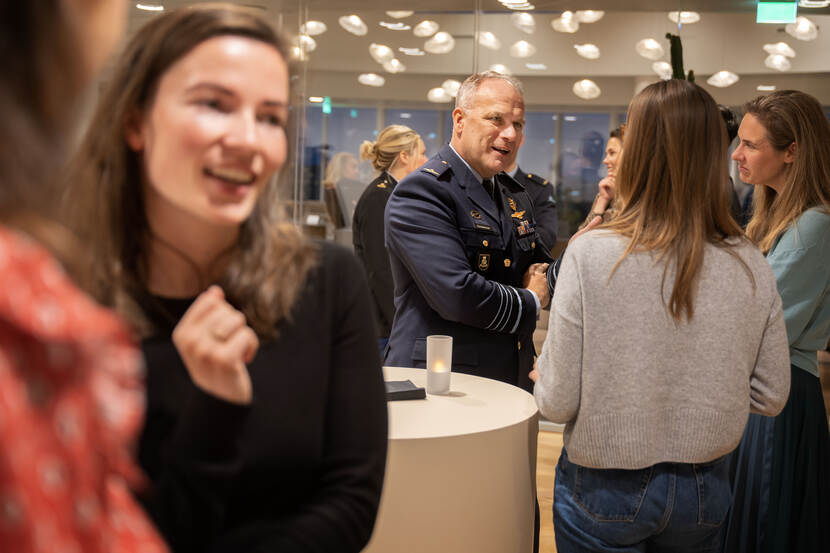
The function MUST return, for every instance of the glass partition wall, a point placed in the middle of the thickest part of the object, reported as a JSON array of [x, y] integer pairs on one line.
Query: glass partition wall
[[359, 68]]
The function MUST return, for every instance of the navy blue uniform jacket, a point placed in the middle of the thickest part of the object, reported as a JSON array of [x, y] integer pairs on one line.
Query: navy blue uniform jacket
[[544, 206], [457, 260]]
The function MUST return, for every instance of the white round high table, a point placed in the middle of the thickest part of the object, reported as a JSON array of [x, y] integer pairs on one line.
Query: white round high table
[[461, 469]]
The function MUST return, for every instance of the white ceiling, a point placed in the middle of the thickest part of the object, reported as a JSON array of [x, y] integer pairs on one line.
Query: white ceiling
[[727, 37]]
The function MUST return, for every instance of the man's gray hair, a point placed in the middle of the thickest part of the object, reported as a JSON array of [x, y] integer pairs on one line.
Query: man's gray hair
[[468, 88]]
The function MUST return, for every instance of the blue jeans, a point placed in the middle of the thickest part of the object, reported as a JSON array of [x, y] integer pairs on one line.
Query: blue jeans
[[666, 507]]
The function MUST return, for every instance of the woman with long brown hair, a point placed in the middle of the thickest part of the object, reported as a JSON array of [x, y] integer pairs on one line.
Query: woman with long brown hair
[[665, 332], [70, 389], [782, 468], [266, 426]]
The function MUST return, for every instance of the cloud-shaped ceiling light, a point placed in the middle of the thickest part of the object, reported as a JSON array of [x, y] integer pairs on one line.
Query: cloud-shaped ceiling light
[[425, 28], [586, 89], [438, 95], [649, 49], [396, 26], [489, 40], [663, 69], [371, 79], [780, 48], [802, 29], [381, 53], [353, 24], [451, 87], [684, 18], [565, 23], [524, 22], [722, 79], [521, 7], [298, 54], [305, 43], [440, 43], [411, 51], [500, 68], [394, 66], [813, 3], [400, 14], [522, 49], [778, 62], [587, 51], [589, 16], [313, 28]]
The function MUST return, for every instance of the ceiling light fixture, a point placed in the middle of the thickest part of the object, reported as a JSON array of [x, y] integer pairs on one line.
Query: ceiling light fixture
[[400, 14], [587, 51], [765, 87], [500, 68], [780, 48], [663, 69], [394, 66], [814, 3], [722, 79], [381, 53], [802, 29], [396, 26], [411, 51], [353, 24], [306, 43], [441, 43], [371, 79], [565, 23], [536, 66], [451, 87], [778, 62], [522, 49], [586, 89], [315, 99], [438, 95], [425, 28], [313, 28], [649, 49], [150, 7], [489, 40], [684, 18], [589, 16], [524, 22]]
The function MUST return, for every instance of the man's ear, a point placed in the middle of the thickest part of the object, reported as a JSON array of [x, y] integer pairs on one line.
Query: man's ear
[[789, 154], [133, 131], [457, 120]]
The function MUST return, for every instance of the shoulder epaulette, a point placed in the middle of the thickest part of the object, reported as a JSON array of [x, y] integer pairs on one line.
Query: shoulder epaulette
[[435, 167], [537, 179]]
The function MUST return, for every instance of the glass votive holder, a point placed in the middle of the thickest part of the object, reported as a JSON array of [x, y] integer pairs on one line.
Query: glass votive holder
[[439, 364]]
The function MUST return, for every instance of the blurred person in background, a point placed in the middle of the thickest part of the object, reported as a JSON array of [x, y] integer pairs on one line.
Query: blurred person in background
[[781, 471], [397, 152], [71, 395], [666, 331], [342, 165], [266, 422], [604, 200]]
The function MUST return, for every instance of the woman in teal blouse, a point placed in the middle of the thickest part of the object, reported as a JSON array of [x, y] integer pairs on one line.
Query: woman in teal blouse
[[781, 470]]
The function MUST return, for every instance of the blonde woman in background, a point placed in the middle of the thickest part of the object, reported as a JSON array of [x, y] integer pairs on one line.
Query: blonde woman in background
[[397, 152]]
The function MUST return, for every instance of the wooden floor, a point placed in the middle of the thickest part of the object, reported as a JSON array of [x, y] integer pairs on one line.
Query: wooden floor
[[550, 446]]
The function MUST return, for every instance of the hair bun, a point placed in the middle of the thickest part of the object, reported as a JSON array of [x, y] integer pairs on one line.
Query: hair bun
[[368, 150]]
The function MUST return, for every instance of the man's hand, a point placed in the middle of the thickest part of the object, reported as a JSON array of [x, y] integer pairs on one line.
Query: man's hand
[[215, 343], [535, 279]]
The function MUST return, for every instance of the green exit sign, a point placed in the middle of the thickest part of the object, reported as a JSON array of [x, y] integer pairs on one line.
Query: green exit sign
[[776, 12]]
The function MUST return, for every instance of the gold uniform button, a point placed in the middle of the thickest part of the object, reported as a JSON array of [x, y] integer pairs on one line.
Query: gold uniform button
[[507, 263], [485, 243], [520, 345]]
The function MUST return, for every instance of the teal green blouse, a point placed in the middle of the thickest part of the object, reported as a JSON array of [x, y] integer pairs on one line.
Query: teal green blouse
[[800, 260]]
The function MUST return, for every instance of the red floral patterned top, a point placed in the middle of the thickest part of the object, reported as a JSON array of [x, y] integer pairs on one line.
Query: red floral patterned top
[[71, 401]]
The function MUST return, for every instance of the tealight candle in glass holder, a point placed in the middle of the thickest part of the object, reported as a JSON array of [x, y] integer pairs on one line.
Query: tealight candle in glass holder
[[439, 364]]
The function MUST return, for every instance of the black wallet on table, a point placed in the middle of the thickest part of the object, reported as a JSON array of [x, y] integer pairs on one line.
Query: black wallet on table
[[403, 389]]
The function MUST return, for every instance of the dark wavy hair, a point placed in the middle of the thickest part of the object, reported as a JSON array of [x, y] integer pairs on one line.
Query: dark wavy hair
[[270, 259]]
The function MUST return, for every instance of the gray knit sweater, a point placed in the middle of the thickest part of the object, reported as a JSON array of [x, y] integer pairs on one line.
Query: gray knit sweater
[[634, 386]]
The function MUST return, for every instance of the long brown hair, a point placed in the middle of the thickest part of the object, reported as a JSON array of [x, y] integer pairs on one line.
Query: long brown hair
[[41, 81], [790, 116], [270, 260], [672, 185]]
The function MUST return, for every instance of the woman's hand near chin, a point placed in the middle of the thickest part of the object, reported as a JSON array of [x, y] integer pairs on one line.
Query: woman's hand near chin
[[215, 344]]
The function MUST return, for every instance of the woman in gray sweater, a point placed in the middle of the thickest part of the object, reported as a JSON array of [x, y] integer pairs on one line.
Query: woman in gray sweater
[[666, 331]]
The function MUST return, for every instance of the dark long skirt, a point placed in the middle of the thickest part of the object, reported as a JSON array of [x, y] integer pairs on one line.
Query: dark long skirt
[[781, 477]]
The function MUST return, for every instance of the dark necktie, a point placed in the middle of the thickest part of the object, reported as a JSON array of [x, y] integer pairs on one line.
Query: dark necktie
[[490, 187]]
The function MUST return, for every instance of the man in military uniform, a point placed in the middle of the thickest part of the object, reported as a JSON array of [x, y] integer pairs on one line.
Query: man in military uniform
[[464, 250]]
